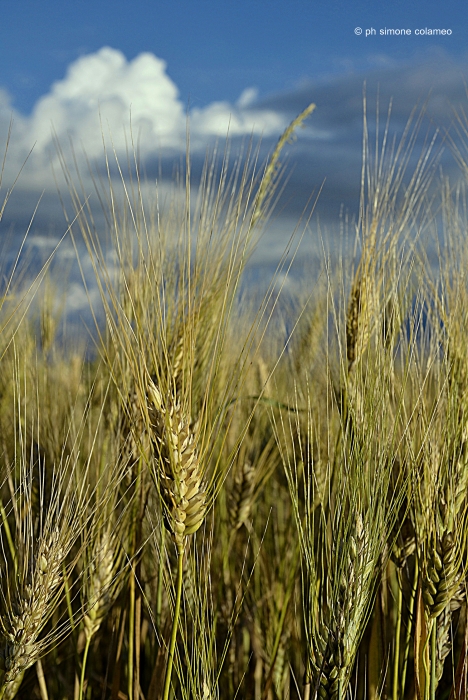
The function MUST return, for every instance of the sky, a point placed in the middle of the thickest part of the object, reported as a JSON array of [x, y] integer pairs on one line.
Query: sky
[[72, 72], [215, 50]]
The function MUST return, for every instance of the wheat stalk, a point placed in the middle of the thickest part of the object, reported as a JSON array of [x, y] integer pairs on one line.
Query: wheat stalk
[[440, 521], [337, 630], [102, 582], [178, 475]]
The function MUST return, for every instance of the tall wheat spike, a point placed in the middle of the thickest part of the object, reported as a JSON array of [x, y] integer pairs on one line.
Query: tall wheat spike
[[179, 474]]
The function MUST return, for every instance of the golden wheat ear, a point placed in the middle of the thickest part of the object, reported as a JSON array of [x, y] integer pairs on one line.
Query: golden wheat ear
[[359, 318], [178, 470], [240, 502]]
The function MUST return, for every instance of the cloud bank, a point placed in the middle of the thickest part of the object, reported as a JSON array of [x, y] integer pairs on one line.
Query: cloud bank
[[105, 96]]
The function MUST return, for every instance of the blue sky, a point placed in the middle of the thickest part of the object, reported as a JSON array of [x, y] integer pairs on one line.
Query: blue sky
[[251, 66], [215, 49]]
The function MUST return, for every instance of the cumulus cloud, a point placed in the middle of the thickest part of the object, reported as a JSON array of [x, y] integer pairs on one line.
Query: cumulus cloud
[[106, 86], [105, 96], [103, 93], [127, 104]]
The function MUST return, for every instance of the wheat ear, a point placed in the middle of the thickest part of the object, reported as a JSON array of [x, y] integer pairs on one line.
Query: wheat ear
[[35, 598], [178, 475], [441, 526], [242, 495], [100, 588], [272, 167], [337, 632], [358, 320]]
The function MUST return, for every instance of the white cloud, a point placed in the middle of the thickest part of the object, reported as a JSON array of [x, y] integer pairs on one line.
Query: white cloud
[[105, 96], [220, 118], [247, 98], [103, 93], [105, 85]]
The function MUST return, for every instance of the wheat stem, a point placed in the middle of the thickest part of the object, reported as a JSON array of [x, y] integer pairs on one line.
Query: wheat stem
[[281, 622], [140, 505], [159, 594], [397, 641], [131, 635], [83, 666], [175, 623], [409, 628], [136, 683], [41, 680], [433, 682], [133, 608]]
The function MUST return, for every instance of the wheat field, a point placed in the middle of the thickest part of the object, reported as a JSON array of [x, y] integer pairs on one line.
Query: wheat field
[[211, 508]]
